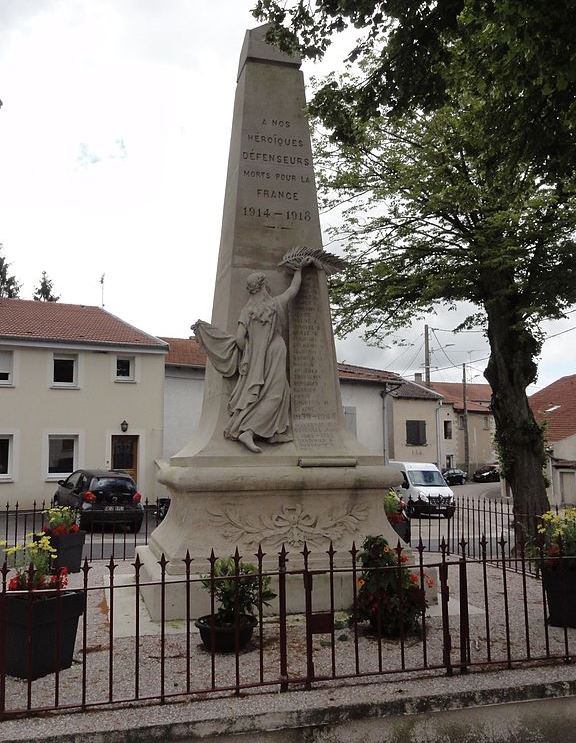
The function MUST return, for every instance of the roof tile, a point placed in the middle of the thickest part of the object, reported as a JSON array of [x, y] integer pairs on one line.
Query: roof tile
[[478, 396], [22, 319], [556, 406]]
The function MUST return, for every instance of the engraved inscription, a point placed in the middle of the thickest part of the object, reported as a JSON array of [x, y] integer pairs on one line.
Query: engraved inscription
[[276, 166], [313, 418]]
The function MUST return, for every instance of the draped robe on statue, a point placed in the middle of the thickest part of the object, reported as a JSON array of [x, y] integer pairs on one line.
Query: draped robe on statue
[[260, 401]]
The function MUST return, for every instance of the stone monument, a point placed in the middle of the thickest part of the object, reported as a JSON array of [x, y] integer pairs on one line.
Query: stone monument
[[272, 462]]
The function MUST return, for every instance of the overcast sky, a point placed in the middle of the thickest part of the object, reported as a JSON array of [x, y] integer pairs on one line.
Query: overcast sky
[[114, 139]]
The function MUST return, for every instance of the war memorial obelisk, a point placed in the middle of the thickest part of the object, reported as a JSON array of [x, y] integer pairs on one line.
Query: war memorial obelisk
[[311, 481]]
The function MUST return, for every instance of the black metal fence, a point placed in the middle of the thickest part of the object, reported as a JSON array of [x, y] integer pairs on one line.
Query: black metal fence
[[478, 615], [102, 541], [473, 518]]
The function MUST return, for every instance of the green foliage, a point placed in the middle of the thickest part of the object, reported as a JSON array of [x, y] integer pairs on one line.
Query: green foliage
[[9, 287], [389, 595], [237, 590], [44, 290], [519, 56], [32, 564], [558, 531], [391, 502]]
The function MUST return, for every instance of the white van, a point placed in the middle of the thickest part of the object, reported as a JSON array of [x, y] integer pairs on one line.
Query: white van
[[424, 489]]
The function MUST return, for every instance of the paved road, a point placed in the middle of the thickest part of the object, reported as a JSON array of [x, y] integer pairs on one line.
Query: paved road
[[489, 490]]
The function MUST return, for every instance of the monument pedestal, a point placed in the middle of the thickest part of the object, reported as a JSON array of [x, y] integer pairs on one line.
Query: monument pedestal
[[249, 506]]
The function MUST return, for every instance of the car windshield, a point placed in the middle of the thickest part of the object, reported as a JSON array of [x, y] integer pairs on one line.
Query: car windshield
[[112, 483], [425, 478]]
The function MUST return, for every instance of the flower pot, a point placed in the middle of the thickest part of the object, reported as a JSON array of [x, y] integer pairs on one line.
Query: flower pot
[[224, 634], [40, 631], [68, 551], [560, 586]]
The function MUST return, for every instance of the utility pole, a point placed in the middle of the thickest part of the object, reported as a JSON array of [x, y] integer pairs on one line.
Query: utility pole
[[465, 416], [426, 356]]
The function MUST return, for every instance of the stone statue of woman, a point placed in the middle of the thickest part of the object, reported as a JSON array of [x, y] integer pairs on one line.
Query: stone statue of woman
[[259, 405]]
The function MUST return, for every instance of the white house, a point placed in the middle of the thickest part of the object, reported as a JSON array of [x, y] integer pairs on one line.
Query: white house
[[78, 388]]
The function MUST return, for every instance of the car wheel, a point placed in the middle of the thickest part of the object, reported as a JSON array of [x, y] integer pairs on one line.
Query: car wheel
[[135, 527], [449, 512]]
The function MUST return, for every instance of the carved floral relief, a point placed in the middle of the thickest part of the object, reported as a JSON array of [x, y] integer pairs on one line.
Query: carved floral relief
[[292, 525]]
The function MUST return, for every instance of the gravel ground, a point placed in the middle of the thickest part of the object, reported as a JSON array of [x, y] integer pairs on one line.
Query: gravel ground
[[112, 659]]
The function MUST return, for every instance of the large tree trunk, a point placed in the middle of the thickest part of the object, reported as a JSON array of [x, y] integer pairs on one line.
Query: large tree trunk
[[510, 370]]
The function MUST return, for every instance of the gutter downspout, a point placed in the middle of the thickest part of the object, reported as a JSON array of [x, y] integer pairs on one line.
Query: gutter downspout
[[440, 463], [384, 395]]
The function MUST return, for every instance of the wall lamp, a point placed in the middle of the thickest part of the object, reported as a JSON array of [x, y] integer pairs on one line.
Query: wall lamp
[[124, 426]]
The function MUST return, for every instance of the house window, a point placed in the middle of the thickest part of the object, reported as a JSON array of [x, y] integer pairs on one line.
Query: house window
[[461, 422], [487, 422], [62, 454], [5, 456], [416, 433], [447, 429], [6, 364], [350, 418], [125, 368], [64, 370], [449, 461]]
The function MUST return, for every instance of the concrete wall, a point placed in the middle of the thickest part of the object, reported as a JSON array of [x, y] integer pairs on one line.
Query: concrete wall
[[366, 400], [183, 392], [32, 409], [562, 490]]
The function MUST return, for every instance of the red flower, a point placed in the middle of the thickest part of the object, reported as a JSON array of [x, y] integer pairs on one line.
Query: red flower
[[74, 528], [46, 529], [59, 530], [14, 583]]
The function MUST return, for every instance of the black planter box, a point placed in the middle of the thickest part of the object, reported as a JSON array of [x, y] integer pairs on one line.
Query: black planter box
[[560, 586], [31, 647], [225, 634], [68, 551]]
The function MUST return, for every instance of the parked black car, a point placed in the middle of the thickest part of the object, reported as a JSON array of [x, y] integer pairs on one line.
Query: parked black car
[[102, 497], [489, 473], [162, 506], [454, 476]]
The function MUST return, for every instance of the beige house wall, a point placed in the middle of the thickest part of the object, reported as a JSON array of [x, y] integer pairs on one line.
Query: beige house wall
[[32, 409], [481, 440], [421, 410]]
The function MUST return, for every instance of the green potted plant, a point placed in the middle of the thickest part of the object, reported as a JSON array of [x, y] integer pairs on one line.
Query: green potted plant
[[239, 592], [389, 595], [40, 616], [65, 536], [395, 509], [558, 550]]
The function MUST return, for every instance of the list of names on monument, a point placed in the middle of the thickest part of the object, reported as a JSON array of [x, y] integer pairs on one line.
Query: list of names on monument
[[313, 419]]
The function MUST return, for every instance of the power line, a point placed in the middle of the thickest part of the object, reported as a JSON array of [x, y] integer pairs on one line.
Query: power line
[[441, 347], [408, 346], [412, 360], [484, 358]]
